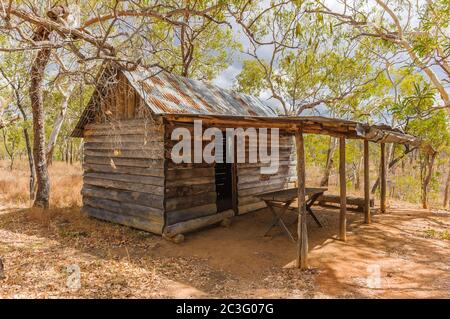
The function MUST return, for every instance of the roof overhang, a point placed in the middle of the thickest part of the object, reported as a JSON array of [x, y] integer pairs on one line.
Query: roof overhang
[[309, 124]]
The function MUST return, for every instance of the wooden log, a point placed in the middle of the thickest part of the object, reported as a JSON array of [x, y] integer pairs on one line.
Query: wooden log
[[178, 203], [191, 181], [194, 224], [122, 161], [243, 200], [263, 189], [244, 209], [135, 222], [144, 154], [182, 173], [140, 171], [343, 191], [180, 191], [137, 138], [367, 217], [302, 231], [181, 215], [144, 199], [261, 183], [130, 146], [383, 178], [356, 201], [107, 183], [141, 179], [123, 208]]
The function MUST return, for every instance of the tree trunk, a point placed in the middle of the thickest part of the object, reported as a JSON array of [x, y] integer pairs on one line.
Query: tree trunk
[[71, 153], [329, 163], [392, 163], [426, 174], [30, 163], [37, 105], [446, 189], [58, 122], [26, 135]]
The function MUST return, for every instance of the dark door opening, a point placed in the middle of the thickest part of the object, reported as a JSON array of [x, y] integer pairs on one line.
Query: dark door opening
[[224, 181]]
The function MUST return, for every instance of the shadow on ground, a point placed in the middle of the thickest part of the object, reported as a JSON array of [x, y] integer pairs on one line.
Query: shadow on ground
[[393, 257]]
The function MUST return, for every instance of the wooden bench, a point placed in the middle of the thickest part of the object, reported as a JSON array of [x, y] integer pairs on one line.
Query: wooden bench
[[358, 202]]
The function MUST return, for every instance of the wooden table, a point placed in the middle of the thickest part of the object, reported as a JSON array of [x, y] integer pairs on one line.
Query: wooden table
[[283, 199]]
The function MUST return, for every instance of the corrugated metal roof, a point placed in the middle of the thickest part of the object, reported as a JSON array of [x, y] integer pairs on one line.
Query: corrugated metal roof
[[165, 93]]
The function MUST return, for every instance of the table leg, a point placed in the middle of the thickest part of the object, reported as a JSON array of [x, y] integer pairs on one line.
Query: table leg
[[278, 220], [308, 208]]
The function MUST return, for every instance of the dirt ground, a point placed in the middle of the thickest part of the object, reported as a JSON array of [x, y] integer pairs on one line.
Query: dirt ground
[[408, 248]]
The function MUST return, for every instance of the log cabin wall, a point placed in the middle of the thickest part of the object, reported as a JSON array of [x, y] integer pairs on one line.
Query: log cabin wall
[[251, 181], [190, 187], [123, 163]]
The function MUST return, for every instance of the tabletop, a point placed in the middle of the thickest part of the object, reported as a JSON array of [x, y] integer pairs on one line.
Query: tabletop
[[288, 194]]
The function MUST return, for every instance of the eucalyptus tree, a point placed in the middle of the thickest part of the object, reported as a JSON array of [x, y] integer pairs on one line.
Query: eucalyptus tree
[[92, 32], [200, 48], [416, 29], [301, 60]]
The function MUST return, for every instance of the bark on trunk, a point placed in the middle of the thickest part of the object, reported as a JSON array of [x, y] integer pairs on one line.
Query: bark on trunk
[[426, 174], [392, 163], [329, 163], [58, 123], [37, 105], [446, 189], [30, 163]]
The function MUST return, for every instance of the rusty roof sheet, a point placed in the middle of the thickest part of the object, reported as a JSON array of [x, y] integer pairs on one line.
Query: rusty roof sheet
[[166, 93]]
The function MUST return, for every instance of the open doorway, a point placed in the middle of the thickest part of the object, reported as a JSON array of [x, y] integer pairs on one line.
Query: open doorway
[[224, 176]]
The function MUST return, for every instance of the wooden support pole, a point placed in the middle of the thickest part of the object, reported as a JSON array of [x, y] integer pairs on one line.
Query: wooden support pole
[[366, 183], [343, 191], [302, 232], [383, 179]]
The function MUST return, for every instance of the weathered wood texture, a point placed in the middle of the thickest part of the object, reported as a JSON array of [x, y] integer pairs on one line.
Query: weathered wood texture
[[359, 202], [197, 223], [119, 101], [343, 191], [367, 200], [302, 232], [124, 172], [383, 185], [251, 181], [189, 187]]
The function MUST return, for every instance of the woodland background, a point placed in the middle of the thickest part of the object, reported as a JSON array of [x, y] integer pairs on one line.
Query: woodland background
[[374, 61]]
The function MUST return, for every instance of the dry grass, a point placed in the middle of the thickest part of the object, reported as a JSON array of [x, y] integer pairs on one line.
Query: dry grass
[[37, 247], [66, 182]]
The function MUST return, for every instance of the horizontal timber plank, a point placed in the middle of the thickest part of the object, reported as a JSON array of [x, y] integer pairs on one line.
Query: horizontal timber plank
[[194, 224], [190, 213], [122, 161], [147, 180], [106, 183], [181, 173], [190, 181], [135, 222], [127, 209], [140, 171], [247, 200], [180, 191], [178, 203], [262, 189], [264, 183], [137, 138], [251, 207], [148, 154], [144, 199], [149, 146]]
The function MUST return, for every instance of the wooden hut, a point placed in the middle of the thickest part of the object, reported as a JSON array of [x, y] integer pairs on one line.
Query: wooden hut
[[130, 177]]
